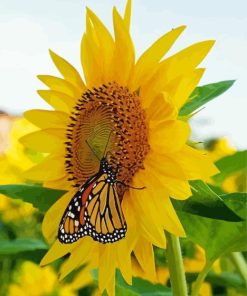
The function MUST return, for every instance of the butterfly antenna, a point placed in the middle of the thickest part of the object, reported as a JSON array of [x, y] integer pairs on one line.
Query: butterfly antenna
[[91, 148], [137, 188], [108, 140]]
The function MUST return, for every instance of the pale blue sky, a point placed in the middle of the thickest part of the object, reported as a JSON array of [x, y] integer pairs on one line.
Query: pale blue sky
[[29, 28]]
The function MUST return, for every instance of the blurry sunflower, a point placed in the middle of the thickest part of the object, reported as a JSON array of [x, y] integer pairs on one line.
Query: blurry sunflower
[[127, 113], [32, 280], [13, 161], [191, 265], [220, 148]]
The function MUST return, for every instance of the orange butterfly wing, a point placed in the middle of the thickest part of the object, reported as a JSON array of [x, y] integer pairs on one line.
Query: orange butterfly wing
[[95, 210]]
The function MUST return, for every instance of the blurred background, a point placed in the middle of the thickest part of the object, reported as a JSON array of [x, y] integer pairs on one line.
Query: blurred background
[[29, 28]]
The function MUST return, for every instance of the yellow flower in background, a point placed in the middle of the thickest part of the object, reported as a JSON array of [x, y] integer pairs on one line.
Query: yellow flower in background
[[219, 148], [236, 182], [17, 154], [13, 162], [196, 264], [193, 264], [5, 127], [33, 280], [127, 112]]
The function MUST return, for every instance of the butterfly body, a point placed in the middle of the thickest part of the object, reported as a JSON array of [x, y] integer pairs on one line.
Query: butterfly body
[[95, 210]]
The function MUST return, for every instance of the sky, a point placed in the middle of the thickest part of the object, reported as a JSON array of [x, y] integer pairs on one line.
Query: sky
[[29, 28]]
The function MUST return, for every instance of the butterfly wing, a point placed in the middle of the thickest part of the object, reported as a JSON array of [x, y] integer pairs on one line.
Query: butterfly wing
[[73, 218], [95, 210], [103, 214]]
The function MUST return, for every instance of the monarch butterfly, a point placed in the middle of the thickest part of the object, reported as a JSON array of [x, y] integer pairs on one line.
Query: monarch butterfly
[[95, 210]]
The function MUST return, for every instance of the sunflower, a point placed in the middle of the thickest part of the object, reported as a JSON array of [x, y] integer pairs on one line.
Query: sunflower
[[30, 279], [218, 149], [126, 112], [13, 161]]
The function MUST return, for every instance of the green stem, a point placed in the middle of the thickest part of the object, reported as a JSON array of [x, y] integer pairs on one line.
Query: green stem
[[175, 264], [5, 276], [200, 279], [239, 262]]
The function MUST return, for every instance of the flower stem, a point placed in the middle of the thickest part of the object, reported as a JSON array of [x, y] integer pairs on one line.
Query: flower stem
[[200, 279], [175, 264], [238, 260], [5, 275]]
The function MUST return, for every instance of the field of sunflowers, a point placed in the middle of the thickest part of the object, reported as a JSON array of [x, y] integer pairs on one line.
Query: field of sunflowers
[[105, 192]]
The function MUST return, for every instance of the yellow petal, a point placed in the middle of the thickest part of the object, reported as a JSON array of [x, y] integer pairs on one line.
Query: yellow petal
[[91, 55], [157, 188], [176, 188], [158, 183], [146, 214], [16, 290], [110, 289], [48, 140], [54, 215], [161, 108], [68, 71], [196, 164], [90, 62], [167, 137], [158, 201], [132, 233], [51, 168], [61, 183], [124, 56], [47, 119], [181, 63], [78, 257], [82, 279], [172, 223], [187, 59], [105, 44], [164, 165], [107, 265], [61, 85], [58, 100], [144, 254], [124, 261], [127, 14], [185, 86], [57, 251], [148, 61]]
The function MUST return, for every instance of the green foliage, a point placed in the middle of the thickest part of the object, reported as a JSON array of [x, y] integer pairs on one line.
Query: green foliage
[[20, 245], [223, 279], [203, 94], [231, 164], [139, 287], [206, 203], [218, 237], [40, 197]]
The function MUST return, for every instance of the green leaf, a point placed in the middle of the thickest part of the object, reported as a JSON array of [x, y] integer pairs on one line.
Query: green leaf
[[230, 164], [206, 203], [8, 247], [203, 94], [218, 237], [227, 279], [40, 197], [223, 279], [237, 201], [139, 287]]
